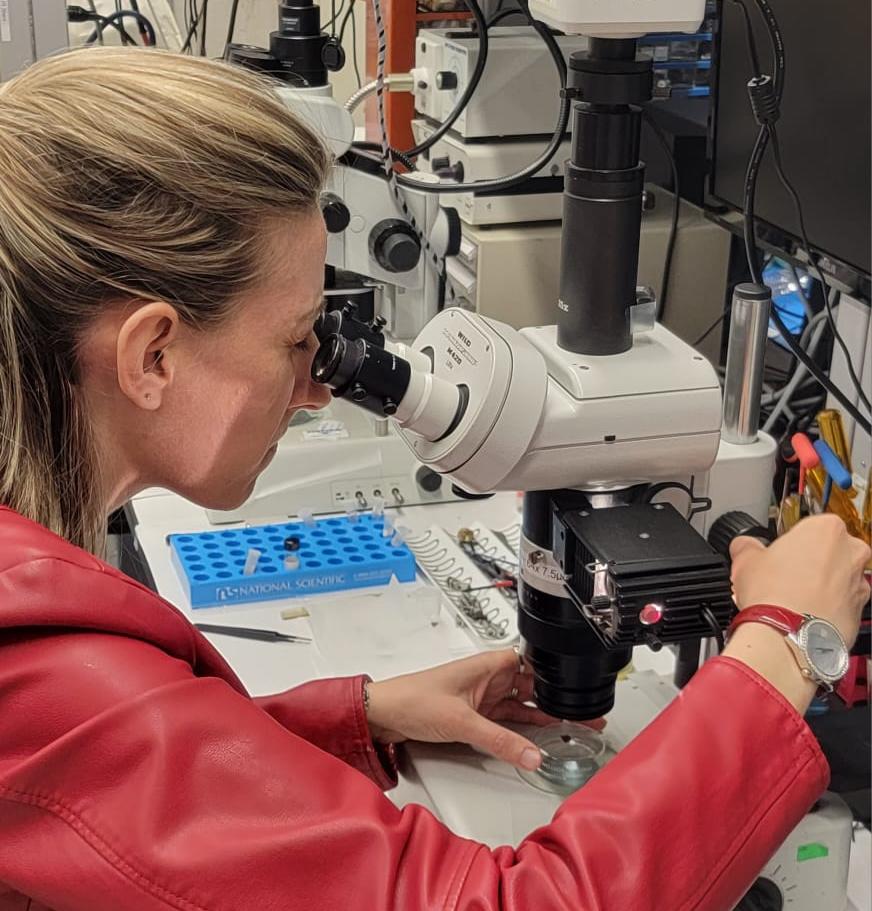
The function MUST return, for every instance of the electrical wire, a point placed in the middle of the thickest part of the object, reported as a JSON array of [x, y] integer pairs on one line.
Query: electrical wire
[[765, 134], [676, 210], [203, 24], [504, 183], [116, 19], [715, 627], [101, 23], [198, 16], [471, 86], [797, 205], [231, 27], [354, 46]]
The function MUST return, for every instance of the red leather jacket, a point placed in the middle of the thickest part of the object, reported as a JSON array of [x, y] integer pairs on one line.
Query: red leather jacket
[[136, 774]]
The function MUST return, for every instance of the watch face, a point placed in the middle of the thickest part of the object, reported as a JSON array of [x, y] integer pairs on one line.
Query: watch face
[[825, 649]]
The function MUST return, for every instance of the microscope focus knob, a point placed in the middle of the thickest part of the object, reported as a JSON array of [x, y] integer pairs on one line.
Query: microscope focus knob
[[732, 525], [427, 479], [358, 393], [335, 212], [446, 81], [395, 246]]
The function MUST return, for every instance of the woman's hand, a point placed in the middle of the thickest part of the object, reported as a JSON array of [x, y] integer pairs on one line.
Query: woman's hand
[[461, 702], [816, 568]]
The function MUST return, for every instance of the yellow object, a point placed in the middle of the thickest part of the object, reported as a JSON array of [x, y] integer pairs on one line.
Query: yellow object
[[839, 503], [790, 513], [832, 430]]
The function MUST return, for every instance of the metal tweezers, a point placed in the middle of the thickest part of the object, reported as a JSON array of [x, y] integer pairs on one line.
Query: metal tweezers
[[247, 632]]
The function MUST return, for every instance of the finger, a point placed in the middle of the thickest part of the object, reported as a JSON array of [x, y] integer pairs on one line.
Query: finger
[[860, 554], [520, 713], [500, 742], [744, 546], [524, 685]]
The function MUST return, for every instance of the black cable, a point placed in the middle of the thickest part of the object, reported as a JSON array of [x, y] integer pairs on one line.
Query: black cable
[[714, 626], [676, 210], [468, 92], [364, 146], [336, 14], [770, 107], [710, 329], [101, 23], [116, 19], [348, 14], [511, 180], [203, 24], [231, 27], [354, 46], [193, 28], [797, 205]]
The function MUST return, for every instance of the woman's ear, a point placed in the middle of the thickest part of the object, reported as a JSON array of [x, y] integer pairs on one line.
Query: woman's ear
[[143, 353]]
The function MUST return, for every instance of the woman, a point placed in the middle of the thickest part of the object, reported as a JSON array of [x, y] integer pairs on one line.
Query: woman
[[161, 260]]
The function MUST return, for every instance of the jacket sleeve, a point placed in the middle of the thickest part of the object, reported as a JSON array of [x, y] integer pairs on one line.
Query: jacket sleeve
[[127, 782], [330, 715]]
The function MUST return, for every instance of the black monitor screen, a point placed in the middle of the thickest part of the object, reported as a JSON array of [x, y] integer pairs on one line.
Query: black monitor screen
[[824, 128]]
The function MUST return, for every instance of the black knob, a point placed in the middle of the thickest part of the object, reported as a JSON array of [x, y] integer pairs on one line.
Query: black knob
[[446, 80], [358, 393], [395, 246], [427, 479], [732, 525], [440, 163], [333, 55], [335, 212], [389, 407]]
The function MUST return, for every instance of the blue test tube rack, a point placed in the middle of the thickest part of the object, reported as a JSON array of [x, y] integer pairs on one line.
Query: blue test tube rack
[[334, 554]]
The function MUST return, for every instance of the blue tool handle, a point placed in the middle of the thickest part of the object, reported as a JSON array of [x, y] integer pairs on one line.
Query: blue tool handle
[[833, 467]]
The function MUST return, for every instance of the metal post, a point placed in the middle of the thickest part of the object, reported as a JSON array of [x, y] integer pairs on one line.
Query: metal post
[[743, 383]]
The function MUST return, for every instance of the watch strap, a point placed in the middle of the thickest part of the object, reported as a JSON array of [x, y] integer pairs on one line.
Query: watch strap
[[779, 618]]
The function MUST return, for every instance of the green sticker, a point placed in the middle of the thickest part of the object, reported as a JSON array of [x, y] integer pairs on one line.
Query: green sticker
[[811, 852]]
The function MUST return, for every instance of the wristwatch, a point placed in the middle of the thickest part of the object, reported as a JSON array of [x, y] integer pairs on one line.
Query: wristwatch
[[817, 645]]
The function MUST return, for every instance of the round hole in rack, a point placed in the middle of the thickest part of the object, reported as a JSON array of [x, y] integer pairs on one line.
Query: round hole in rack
[[188, 549], [292, 526], [239, 562], [334, 521], [329, 551], [399, 553], [236, 552], [344, 539], [196, 567], [355, 559], [378, 555], [224, 575], [201, 577], [312, 564], [270, 529], [367, 538], [276, 539], [206, 536], [228, 534], [319, 534], [219, 564], [308, 554], [210, 545], [332, 561], [249, 532], [350, 550], [184, 538], [268, 569]]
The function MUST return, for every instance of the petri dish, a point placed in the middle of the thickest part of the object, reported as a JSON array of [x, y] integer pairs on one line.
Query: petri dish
[[571, 755]]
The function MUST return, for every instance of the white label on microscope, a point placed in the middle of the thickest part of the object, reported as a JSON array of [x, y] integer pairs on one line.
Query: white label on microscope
[[540, 570]]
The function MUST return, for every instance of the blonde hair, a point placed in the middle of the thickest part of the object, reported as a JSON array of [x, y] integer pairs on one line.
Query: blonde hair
[[124, 174]]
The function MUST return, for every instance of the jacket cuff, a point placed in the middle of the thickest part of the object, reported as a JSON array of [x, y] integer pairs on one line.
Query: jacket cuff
[[330, 715]]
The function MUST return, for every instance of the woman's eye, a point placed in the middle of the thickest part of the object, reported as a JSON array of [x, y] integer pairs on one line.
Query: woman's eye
[[303, 345]]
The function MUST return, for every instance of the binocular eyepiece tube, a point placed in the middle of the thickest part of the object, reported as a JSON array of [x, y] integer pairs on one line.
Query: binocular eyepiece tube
[[375, 377]]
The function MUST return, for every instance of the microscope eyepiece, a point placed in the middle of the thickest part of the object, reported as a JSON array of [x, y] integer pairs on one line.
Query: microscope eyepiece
[[360, 366]]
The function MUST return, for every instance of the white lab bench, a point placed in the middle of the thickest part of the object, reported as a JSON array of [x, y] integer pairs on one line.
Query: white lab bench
[[272, 667]]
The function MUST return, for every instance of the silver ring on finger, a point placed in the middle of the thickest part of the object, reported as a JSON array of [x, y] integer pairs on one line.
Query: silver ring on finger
[[514, 694]]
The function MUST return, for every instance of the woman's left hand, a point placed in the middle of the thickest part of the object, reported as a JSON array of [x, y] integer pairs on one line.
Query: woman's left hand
[[461, 702]]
